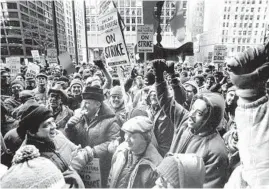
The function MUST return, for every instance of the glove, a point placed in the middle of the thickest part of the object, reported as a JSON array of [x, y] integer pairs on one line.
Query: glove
[[134, 73], [99, 64], [159, 67], [113, 145], [80, 157], [171, 68]]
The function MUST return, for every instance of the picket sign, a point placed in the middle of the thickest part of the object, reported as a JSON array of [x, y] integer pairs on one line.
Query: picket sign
[[52, 56], [115, 51], [14, 64], [91, 174], [32, 70], [35, 55]]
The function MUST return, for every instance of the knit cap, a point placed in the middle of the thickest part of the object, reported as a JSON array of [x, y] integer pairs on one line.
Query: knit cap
[[76, 81], [29, 170], [116, 91], [93, 93], [15, 82]]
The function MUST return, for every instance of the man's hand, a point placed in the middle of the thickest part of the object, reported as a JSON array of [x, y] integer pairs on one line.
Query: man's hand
[[159, 67], [171, 68], [100, 64], [134, 73]]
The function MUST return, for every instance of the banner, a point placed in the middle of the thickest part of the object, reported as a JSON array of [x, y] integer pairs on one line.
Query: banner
[[115, 51], [145, 38], [91, 174], [52, 56], [14, 64], [66, 62], [35, 55], [32, 70]]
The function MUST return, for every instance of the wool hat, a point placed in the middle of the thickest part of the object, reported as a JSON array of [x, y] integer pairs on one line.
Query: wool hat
[[183, 170], [76, 82], [138, 124], [29, 170], [32, 117], [116, 91], [193, 84], [138, 111], [17, 82], [63, 78], [93, 93]]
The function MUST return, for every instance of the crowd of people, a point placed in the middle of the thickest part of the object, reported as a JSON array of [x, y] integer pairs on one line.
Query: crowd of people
[[169, 127]]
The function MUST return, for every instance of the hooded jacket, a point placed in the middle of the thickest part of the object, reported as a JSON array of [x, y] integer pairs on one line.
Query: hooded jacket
[[208, 145], [98, 134]]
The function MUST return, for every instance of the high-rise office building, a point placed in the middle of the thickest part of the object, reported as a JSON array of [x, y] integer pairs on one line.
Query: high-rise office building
[[28, 25], [131, 12], [237, 24]]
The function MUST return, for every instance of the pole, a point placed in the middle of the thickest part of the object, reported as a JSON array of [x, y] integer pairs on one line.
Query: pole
[[145, 64], [86, 35], [75, 31], [55, 27]]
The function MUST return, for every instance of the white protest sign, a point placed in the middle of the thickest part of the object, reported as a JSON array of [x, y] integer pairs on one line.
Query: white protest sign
[[35, 55], [52, 56], [145, 38], [66, 62], [14, 64], [91, 174], [32, 70], [130, 49], [115, 51], [220, 51], [26, 61]]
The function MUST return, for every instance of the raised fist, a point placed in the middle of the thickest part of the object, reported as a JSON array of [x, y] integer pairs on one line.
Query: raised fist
[[171, 68], [100, 64], [159, 66]]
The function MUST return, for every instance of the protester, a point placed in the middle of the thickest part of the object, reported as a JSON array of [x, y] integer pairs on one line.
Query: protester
[[14, 101], [30, 83], [75, 96], [249, 72], [5, 83], [94, 125], [135, 160], [41, 91], [20, 77], [199, 79], [181, 171], [29, 170], [196, 130], [57, 103]]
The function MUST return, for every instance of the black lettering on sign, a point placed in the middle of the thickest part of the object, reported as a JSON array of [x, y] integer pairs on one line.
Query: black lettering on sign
[[145, 44], [144, 37], [114, 50], [94, 184], [110, 38]]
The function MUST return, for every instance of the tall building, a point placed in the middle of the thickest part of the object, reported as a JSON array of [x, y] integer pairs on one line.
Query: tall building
[[131, 12], [28, 25], [237, 24]]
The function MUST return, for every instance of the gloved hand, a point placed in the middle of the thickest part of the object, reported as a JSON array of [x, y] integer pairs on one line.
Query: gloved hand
[[134, 73], [171, 68], [113, 145], [81, 157], [99, 64], [159, 67], [249, 71]]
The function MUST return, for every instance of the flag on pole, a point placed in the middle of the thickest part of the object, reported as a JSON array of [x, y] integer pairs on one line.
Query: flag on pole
[[149, 13], [177, 23]]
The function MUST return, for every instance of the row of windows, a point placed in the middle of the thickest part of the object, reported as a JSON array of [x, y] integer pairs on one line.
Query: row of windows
[[252, 9], [226, 24], [242, 17], [246, 2], [243, 40]]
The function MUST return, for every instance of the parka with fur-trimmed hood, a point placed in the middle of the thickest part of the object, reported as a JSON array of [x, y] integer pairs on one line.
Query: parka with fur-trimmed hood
[[207, 144]]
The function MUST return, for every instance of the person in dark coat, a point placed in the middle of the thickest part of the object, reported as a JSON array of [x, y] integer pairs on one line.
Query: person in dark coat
[[5, 83], [94, 125], [195, 131], [75, 97]]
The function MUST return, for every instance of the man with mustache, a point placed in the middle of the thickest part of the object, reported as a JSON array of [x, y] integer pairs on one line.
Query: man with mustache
[[195, 130]]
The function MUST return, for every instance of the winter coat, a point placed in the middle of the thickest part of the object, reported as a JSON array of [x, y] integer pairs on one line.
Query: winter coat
[[11, 104], [208, 145], [98, 134], [60, 152], [142, 175], [74, 102], [62, 117], [252, 121], [41, 98]]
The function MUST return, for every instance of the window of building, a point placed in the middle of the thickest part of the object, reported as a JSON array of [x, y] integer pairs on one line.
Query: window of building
[[244, 40], [239, 33], [260, 2], [246, 17], [235, 17], [25, 17], [12, 5], [241, 25], [238, 49], [254, 40], [249, 32], [133, 3], [223, 24], [233, 40], [4, 50], [227, 25], [224, 9], [248, 40], [16, 50], [31, 5], [242, 17], [234, 24], [242, 9], [229, 9], [127, 3], [228, 17], [32, 13], [128, 28], [258, 17], [127, 20], [223, 32], [133, 28], [248, 1], [185, 4], [243, 48], [253, 1], [244, 32], [250, 25], [13, 23], [133, 20], [127, 11], [13, 15], [139, 20], [257, 25], [224, 17], [236, 9], [28, 41], [251, 17], [245, 25], [23, 9], [138, 11], [232, 49]]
